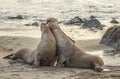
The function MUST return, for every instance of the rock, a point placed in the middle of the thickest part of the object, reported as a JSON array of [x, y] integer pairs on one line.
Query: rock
[[17, 17], [93, 22], [114, 21], [35, 24], [27, 24], [32, 24], [112, 37], [75, 21], [84, 20], [92, 16]]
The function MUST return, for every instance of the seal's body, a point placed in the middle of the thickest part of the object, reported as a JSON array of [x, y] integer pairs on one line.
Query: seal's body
[[70, 55], [46, 50], [27, 55], [83, 60], [43, 55]]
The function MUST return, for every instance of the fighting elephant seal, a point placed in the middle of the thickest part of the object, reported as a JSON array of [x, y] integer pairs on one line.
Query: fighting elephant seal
[[70, 55], [46, 50], [56, 21], [43, 55]]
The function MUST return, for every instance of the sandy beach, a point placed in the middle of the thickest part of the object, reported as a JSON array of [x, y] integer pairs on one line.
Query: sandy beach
[[14, 35], [14, 38]]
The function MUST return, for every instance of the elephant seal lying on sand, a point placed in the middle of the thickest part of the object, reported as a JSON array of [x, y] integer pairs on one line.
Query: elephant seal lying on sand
[[27, 55], [70, 55], [43, 55]]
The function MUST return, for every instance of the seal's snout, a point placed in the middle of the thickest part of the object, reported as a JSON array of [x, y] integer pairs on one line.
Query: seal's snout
[[99, 68]]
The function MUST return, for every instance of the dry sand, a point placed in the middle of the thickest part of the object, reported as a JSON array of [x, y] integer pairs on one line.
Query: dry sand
[[15, 36]]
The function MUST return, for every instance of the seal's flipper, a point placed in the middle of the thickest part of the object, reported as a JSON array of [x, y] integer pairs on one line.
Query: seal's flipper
[[8, 56], [98, 67]]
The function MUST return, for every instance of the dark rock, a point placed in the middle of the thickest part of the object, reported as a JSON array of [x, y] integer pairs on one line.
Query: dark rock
[[17, 17], [84, 20], [27, 24], [75, 21], [32, 24], [35, 24], [93, 22], [112, 37], [92, 16], [114, 21]]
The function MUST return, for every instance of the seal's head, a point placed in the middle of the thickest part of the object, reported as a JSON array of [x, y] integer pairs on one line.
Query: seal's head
[[20, 54], [52, 23], [53, 20]]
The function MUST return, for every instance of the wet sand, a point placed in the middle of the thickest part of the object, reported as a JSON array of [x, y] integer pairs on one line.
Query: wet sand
[[92, 45]]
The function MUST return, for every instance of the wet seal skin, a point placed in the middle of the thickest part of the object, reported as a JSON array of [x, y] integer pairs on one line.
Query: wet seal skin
[[70, 55], [46, 50]]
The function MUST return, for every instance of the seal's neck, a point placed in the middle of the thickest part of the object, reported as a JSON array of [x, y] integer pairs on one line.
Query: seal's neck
[[46, 30]]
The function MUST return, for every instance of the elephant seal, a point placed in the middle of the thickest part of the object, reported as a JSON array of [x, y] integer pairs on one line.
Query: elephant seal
[[70, 55], [54, 20], [43, 55], [46, 49], [25, 54]]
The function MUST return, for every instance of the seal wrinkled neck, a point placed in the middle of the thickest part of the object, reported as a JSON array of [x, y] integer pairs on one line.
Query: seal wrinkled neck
[[45, 28], [53, 25]]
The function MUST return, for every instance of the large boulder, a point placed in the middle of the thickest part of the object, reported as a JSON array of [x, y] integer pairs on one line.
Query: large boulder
[[92, 23], [112, 37], [75, 21]]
